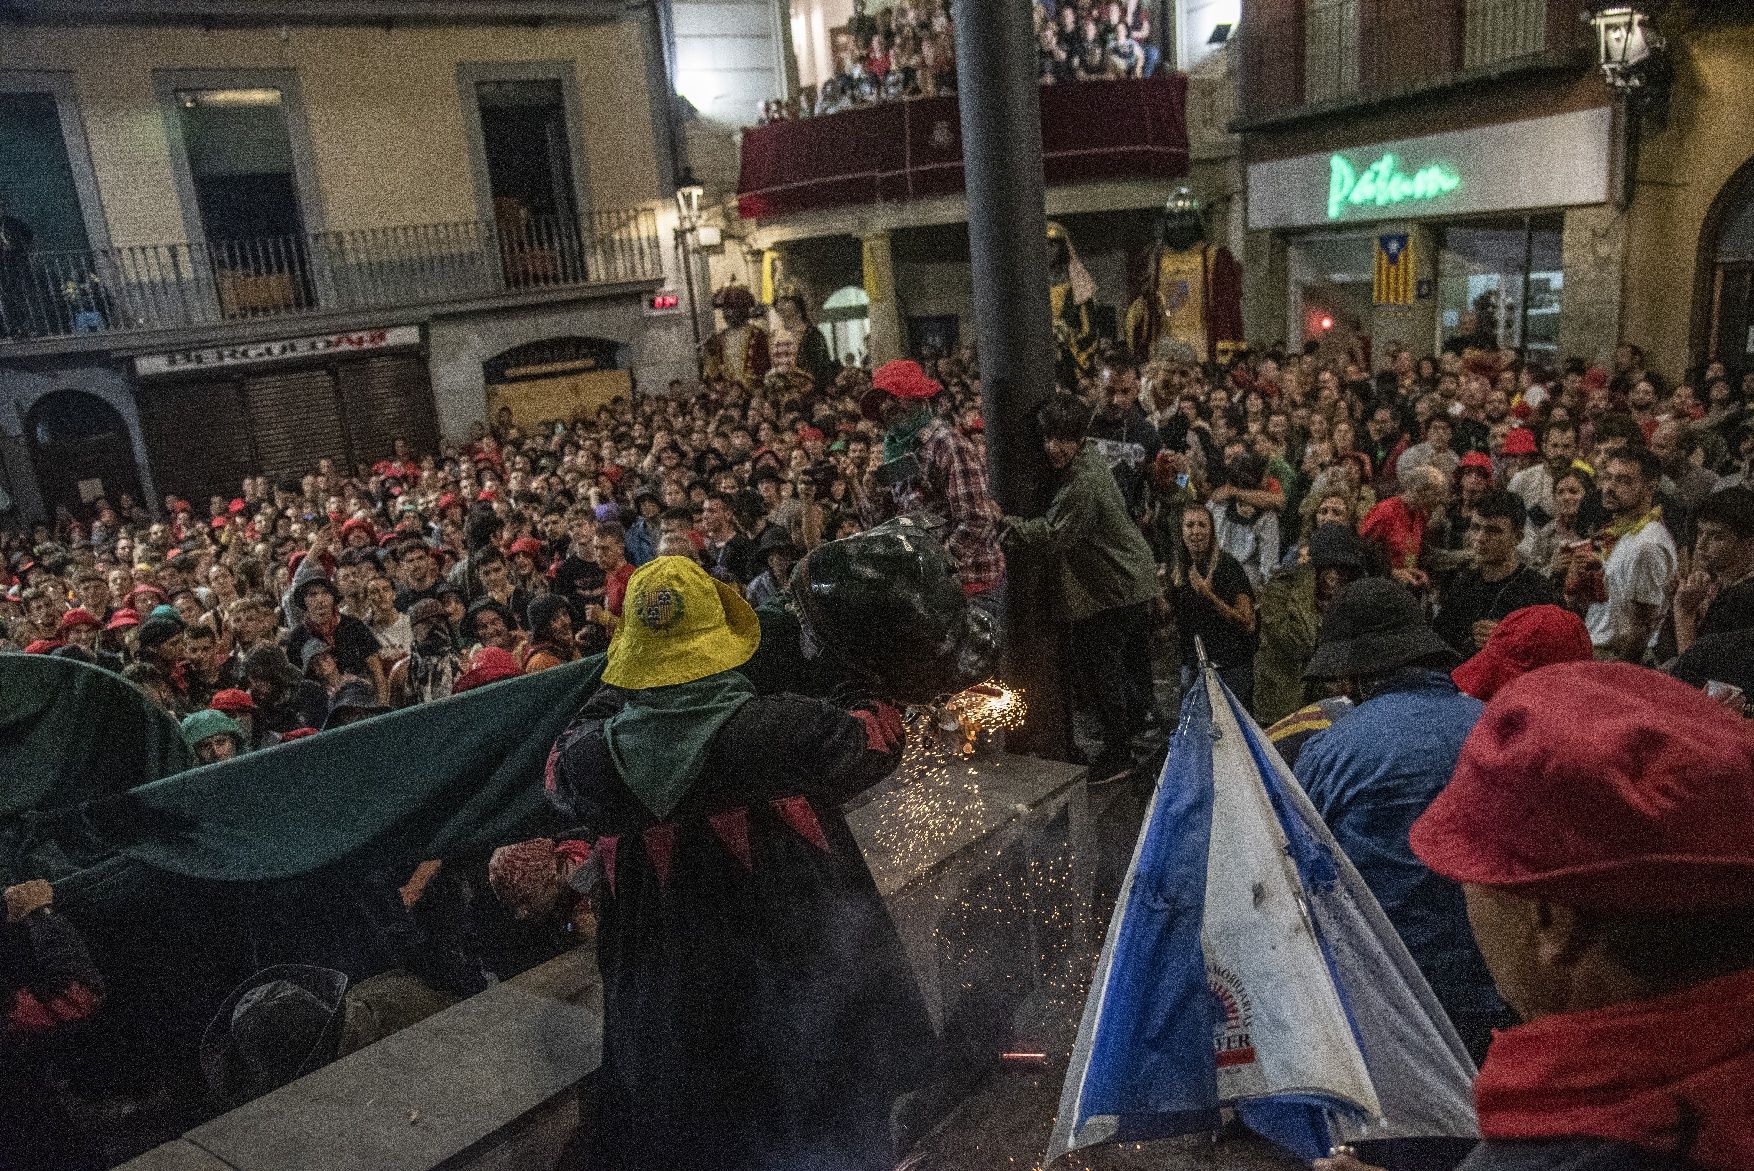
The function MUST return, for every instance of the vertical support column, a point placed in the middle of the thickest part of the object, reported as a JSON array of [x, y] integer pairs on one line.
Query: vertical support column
[[885, 339], [997, 92], [1591, 303]]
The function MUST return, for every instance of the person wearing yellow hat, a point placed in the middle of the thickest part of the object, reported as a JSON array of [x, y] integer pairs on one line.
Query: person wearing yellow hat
[[758, 1008]]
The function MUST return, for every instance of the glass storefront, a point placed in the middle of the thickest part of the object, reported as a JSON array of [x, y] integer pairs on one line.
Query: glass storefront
[[1499, 284]]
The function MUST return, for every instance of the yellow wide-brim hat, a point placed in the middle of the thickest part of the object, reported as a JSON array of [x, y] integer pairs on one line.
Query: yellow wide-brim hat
[[678, 625]]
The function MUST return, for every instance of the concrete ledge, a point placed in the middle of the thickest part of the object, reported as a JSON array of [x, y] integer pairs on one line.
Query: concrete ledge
[[984, 866], [424, 1095]]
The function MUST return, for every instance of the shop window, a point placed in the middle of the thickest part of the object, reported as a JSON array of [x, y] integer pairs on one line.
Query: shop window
[[1500, 285]]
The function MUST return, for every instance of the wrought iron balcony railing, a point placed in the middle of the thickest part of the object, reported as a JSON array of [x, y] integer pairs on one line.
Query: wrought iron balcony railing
[[170, 286]]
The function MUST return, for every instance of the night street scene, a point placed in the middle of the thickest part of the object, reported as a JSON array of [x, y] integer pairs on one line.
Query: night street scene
[[877, 585]]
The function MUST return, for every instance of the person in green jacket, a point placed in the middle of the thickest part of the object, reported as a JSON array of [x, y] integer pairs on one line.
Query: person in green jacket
[[1291, 609], [1106, 579]]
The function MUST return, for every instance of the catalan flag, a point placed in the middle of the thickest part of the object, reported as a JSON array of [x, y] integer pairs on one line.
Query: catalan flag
[[1393, 282]]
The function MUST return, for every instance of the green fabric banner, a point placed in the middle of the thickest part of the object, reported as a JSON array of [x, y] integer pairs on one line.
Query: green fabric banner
[[72, 732], [444, 778], [450, 777]]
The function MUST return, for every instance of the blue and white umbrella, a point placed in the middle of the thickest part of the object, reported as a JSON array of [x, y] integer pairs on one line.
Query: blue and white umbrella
[[1247, 966]]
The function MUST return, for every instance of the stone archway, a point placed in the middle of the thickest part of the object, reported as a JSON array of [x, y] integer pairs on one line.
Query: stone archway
[[81, 450], [1723, 297]]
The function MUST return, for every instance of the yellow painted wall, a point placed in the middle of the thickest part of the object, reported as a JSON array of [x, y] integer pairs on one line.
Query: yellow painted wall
[[385, 118], [1680, 172]]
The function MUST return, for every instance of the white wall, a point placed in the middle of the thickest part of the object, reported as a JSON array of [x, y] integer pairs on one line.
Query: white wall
[[812, 21], [729, 57]]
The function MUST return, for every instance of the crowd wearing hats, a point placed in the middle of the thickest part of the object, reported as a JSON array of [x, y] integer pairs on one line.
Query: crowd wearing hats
[[1499, 619], [354, 591]]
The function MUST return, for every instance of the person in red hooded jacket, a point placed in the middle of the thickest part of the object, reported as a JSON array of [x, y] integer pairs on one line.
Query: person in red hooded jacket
[[1601, 823]]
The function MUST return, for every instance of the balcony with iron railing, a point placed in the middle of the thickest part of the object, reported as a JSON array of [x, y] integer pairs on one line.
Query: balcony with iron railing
[[1300, 56], [137, 289]]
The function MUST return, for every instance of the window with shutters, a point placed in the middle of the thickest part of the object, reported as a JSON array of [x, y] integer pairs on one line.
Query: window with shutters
[[386, 398], [296, 420], [198, 437]]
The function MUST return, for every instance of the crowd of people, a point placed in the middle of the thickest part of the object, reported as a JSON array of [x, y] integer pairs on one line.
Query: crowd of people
[[1365, 557], [908, 50]]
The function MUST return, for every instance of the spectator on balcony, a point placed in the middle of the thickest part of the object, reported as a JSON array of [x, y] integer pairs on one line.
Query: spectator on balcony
[[1056, 63], [17, 245], [1136, 22], [861, 26], [877, 59]]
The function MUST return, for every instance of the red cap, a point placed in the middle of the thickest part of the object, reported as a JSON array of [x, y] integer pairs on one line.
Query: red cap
[[218, 522], [486, 495], [808, 433], [236, 506], [78, 616], [359, 525], [232, 700], [1475, 461], [905, 378], [297, 734], [123, 619], [1520, 441], [490, 665], [1527, 639], [447, 500], [528, 545], [1601, 786], [43, 646]]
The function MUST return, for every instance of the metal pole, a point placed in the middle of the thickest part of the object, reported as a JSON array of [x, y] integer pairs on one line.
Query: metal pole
[[684, 254], [996, 85]]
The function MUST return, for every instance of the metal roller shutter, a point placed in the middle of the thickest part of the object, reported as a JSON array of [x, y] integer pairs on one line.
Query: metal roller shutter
[[387, 397], [198, 438], [296, 420]]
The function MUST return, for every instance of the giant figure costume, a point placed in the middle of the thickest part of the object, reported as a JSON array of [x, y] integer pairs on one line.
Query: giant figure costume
[[1191, 296]]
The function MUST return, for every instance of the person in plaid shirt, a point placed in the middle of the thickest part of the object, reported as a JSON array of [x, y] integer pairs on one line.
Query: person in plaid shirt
[[931, 469]]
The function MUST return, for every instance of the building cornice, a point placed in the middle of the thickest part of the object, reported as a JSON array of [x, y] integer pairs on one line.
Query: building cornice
[[232, 13]]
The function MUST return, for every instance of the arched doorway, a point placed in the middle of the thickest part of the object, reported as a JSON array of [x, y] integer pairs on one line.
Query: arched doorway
[[1724, 301], [81, 449], [846, 323]]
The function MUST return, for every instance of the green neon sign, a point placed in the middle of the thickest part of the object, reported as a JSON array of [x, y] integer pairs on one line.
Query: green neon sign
[[1383, 184]]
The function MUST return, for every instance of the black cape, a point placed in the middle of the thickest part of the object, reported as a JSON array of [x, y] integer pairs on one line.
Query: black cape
[[759, 1011]]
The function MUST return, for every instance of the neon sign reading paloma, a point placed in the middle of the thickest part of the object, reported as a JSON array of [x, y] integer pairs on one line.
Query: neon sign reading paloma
[[1382, 184]]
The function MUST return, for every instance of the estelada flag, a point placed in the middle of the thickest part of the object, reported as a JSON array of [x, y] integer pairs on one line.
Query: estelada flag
[[1248, 967], [1392, 281]]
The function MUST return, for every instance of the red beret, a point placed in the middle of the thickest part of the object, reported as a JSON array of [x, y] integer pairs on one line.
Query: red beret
[[78, 616], [1533, 637], [1519, 441], [1602, 786], [232, 700], [490, 665], [1474, 461], [905, 378]]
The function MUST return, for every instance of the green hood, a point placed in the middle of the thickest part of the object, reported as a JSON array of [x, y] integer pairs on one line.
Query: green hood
[[658, 741]]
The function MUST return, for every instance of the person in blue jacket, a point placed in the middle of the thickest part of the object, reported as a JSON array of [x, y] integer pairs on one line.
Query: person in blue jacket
[[1373, 773]]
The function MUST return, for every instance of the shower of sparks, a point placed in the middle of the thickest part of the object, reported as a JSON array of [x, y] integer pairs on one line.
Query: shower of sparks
[[986, 707]]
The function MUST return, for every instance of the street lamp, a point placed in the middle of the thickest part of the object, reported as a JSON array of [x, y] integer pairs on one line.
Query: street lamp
[[688, 196], [1630, 53]]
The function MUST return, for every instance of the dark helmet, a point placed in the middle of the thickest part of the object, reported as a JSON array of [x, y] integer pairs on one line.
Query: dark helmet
[[887, 603]]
